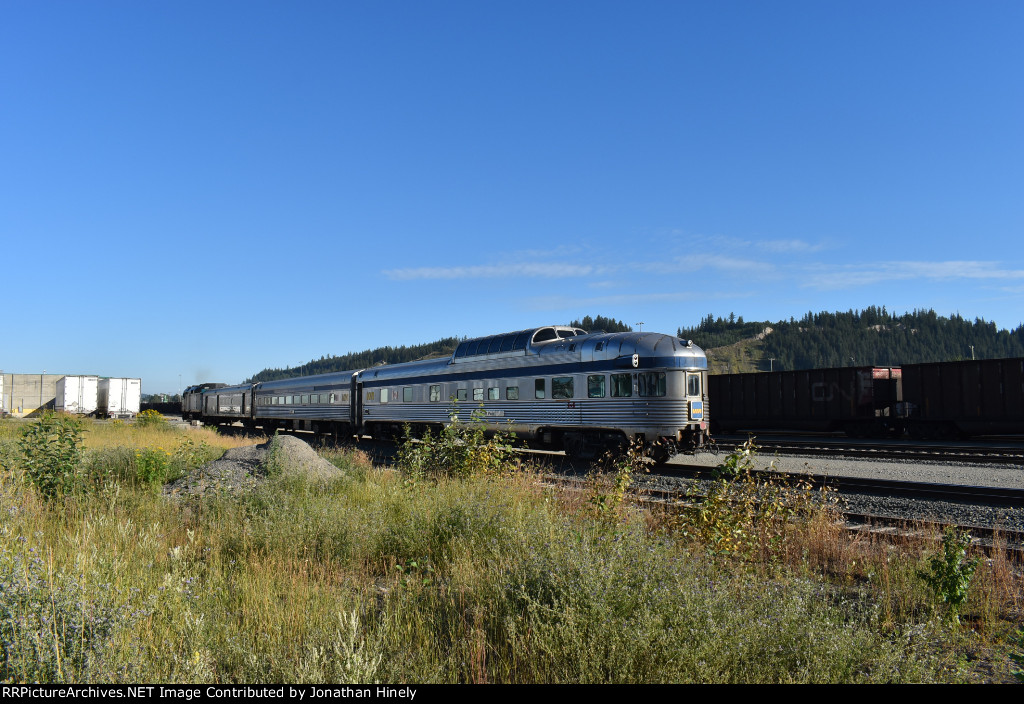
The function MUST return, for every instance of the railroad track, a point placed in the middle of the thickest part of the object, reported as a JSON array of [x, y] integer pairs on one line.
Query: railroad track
[[959, 493], [887, 527], [975, 453]]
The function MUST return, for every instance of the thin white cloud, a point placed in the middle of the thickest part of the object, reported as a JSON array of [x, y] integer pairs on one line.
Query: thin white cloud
[[530, 269], [696, 262], [628, 299], [776, 246], [867, 274], [551, 269], [789, 246]]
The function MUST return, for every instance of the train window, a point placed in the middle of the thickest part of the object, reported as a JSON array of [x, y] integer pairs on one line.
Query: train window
[[385, 396], [495, 345], [538, 388], [651, 383], [471, 350], [512, 393], [305, 398], [492, 393], [435, 392], [521, 340], [460, 395], [507, 342], [562, 387], [622, 385], [693, 384], [288, 400], [595, 386], [333, 397], [478, 394], [407, 394], [461, 351], [544, 335]]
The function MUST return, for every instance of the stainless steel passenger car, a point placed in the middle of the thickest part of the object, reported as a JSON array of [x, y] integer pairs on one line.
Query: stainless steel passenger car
[[322, 403], [555, 387], [192, 400]]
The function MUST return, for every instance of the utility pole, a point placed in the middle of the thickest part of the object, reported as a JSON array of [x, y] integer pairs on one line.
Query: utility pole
[[641, 326]]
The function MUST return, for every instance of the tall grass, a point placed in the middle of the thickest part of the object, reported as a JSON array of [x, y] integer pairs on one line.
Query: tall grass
[[379, 576]]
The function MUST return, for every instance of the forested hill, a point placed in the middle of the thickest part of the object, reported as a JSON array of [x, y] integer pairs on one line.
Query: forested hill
[[361, 360], [854, 338], [396, 355]]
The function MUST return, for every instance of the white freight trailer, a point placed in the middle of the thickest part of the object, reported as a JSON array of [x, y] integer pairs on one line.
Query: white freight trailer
[[77, 394], [119, 398]]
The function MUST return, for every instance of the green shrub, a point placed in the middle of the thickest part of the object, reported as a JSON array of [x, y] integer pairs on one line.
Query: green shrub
[[51, 452], [458, 450], [152, 465], [608, 487], [749, 515], [950, 572]]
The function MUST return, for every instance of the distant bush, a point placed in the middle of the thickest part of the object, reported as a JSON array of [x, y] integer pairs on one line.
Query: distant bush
[[149, 418]]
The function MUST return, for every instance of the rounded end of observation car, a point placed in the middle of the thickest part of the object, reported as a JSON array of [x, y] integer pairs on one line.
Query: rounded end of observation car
[[642, 350]]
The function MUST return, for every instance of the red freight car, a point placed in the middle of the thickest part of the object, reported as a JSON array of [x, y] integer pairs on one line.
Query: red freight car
[[950, 399]]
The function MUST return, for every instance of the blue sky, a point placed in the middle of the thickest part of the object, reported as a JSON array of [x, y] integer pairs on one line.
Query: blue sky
[[199, 190]]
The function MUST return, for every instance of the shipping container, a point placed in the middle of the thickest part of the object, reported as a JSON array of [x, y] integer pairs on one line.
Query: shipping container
[[77, 394], [119, 397]]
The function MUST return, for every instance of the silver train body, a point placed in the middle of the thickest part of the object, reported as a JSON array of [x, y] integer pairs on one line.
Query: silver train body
[[555, 387]]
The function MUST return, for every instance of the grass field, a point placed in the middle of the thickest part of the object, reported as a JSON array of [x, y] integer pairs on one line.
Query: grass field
[[388, 576]]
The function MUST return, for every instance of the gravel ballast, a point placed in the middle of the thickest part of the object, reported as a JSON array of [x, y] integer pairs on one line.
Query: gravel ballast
[[240, 469], [951, 512]]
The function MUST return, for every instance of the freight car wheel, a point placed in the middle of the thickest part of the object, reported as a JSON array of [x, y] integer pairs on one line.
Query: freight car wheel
[[658, 453]]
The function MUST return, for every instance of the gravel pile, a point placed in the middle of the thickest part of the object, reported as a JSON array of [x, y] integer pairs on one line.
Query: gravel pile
[[240, 469]]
